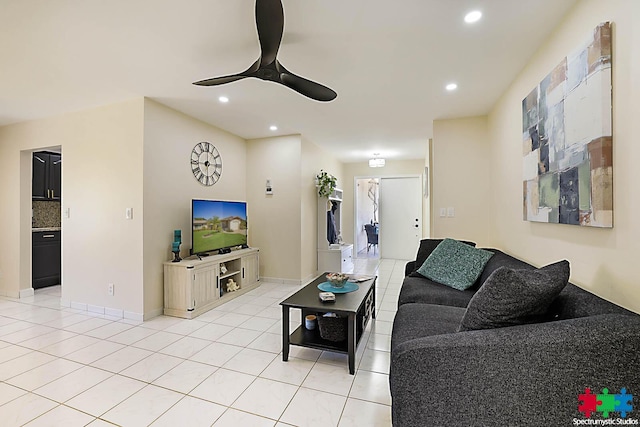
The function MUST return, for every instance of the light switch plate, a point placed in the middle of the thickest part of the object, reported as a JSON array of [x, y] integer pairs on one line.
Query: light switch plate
[[128, 214]]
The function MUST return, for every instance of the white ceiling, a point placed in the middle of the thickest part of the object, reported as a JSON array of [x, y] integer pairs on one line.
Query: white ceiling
[[388, 61]]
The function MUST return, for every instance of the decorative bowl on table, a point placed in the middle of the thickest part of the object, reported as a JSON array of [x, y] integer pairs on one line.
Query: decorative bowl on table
[[337, 280]]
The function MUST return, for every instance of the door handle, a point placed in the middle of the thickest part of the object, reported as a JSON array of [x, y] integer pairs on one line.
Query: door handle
[[48, 236]]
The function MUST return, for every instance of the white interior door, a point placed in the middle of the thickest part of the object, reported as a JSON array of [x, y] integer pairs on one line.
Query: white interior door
[[400, 217]]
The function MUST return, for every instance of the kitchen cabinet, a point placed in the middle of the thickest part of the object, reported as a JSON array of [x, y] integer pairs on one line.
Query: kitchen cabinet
[[47, 176], [46, 258]]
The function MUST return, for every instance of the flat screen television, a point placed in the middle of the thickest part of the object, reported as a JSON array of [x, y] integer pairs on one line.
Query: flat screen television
[[217, 224]]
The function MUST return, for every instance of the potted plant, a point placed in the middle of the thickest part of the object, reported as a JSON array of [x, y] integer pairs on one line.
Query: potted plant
[[326, 183]]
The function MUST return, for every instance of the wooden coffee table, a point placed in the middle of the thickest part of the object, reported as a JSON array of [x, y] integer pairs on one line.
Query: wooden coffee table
[[358, 306]]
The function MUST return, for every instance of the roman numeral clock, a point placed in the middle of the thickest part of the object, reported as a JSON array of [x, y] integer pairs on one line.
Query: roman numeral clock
[[206, 163]]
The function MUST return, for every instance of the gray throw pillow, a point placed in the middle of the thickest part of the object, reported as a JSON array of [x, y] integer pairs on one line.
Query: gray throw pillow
[[455, 264], [515, 297]]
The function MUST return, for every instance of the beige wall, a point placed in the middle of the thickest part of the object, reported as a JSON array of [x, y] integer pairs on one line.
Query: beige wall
[[101, 177], [362, 170], [274, 220], [169, 186], [602, 260], [136, 155], [285, 223], [128, 155], [460, 179]]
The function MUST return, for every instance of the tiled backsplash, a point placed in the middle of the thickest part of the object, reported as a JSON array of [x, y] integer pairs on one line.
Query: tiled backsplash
[[46, 214]]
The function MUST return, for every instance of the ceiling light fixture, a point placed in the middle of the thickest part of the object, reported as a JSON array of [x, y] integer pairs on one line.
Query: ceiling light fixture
[[472, 17], [376, 162], [451, 86], [273, 127], [223, 99]]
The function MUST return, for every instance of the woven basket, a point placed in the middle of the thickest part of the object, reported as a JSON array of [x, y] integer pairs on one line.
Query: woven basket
[[333, 328]]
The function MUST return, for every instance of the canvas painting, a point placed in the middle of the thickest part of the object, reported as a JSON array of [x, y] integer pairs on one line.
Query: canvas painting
[[567, 139]]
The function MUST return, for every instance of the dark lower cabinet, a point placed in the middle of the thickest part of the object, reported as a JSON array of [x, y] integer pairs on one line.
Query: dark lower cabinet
[[46, 259]]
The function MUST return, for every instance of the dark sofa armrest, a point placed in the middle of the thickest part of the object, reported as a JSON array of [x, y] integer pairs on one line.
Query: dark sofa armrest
[[521, 375], [409, 268]]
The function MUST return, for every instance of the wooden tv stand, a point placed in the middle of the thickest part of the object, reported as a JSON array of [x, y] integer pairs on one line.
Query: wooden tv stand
[[194, 286]]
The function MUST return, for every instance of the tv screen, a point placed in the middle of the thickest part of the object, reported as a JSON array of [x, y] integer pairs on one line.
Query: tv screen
[[217, 224]]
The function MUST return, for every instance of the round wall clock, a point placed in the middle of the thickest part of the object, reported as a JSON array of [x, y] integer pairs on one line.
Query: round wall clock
[[206, 163]]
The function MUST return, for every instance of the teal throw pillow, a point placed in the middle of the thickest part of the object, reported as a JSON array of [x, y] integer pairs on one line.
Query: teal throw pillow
[[455, 264]]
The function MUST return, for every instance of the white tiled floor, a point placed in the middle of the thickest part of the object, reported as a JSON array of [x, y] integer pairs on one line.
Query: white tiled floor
[[63, 367]]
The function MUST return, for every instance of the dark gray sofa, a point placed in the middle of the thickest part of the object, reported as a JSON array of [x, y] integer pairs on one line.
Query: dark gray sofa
[[527, 375]]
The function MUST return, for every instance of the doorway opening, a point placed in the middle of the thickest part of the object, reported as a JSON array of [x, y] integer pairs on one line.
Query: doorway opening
[[388, 217], [40, 220], [367, 226]]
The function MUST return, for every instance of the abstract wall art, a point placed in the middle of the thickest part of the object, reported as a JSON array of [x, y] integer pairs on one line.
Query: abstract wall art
[[567, 139]]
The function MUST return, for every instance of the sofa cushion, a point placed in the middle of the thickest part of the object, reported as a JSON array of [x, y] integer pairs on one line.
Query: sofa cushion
[[455, 264], [515, 297], [426, 247], [424, 291], [501, 259], [422, 320], [574, 302]]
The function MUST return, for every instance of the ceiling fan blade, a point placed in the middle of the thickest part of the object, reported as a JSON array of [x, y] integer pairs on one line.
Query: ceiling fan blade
[[306, 87], [270, 25], [220, 80], [249, 72]]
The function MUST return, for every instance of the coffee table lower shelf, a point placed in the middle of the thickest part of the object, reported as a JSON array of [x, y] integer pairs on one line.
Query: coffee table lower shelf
[[304, 337]]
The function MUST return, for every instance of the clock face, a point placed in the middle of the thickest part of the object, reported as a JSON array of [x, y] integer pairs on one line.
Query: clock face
[[206, 163]]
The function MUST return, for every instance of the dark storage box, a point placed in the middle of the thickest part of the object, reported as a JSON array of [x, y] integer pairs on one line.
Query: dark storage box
[[333, 328]]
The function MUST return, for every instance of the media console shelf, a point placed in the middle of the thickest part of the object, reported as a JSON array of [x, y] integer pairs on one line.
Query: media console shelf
[[194, 286]]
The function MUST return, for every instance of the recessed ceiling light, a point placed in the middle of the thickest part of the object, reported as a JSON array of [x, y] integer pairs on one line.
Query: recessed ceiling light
[[472, 17], [451, 86], [273, 127], [223, 99]]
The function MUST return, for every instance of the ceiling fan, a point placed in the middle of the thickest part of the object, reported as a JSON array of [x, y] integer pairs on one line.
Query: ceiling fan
[[270, 25]]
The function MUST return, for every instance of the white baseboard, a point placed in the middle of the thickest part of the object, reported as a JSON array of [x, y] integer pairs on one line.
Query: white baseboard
[[310, 278], [134, 316], [153, 313], [78, 306], [25, 293], [97, 309], [113, 312], [280, 281]]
